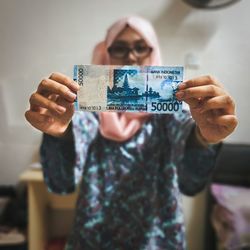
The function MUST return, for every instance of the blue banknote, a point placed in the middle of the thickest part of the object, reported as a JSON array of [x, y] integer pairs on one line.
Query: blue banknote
[[128, 88]]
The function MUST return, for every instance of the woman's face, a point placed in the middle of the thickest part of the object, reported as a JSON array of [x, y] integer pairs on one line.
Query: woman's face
[[129, 48]]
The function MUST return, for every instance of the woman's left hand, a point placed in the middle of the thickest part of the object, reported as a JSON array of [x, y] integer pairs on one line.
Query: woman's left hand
[[212, 108]]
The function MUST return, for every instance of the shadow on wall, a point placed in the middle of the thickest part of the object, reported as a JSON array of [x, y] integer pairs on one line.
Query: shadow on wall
[[12, 132], [192, 27], [3, 123], [14, 135]]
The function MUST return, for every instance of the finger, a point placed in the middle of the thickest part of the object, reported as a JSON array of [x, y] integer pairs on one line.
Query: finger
[[199, 92], [65, 80], [196, 103], [35, 118], [62, 102], [199, 81], [219, 102], [54, 87], [53, 97], [38, 100], [229, 121]]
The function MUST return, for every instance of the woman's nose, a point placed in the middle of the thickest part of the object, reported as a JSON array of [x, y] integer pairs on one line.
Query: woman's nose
[[131, 57]]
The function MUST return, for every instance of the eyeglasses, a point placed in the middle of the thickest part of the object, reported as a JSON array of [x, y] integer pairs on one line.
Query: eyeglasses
[[121, 51]]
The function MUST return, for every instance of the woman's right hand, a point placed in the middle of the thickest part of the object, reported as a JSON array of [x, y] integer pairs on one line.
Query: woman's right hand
[[52, 105]]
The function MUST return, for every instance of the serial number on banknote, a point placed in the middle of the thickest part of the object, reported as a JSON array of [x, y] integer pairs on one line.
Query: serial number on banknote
[[128, 88]]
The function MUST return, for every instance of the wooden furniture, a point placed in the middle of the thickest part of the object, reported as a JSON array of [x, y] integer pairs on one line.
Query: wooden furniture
[[39, 201]]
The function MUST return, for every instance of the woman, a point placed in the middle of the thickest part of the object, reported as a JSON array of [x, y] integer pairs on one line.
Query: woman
[[132, 166]]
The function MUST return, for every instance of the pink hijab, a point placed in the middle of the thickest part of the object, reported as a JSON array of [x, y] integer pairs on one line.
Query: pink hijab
[[122, 126]]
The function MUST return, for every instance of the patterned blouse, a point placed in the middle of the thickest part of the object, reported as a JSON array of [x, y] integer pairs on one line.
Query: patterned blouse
[[130, 192]]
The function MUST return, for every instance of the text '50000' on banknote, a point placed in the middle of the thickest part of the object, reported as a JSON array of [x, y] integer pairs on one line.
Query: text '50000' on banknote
[[128, 88]]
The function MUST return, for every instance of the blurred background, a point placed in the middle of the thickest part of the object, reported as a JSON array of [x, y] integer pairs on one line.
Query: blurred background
[[39, 37]]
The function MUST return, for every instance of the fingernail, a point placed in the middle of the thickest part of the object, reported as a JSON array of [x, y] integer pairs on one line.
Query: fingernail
[[60, 109], [180, 94], [182, 85], [71, 95]]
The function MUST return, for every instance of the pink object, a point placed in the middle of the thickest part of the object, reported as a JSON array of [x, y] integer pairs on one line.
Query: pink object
[[122, 126], [231, 216]]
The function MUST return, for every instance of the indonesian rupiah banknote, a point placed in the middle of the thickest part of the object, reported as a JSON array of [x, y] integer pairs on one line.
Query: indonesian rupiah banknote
[[128, 88]]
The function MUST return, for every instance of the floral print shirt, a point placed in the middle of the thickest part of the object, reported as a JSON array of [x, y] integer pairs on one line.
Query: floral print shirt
[[130, 192]]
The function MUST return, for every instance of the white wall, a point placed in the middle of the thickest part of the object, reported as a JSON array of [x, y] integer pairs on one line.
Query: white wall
[[38, 37]]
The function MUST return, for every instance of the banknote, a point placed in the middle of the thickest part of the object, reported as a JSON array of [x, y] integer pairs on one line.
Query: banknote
[[128, 88]]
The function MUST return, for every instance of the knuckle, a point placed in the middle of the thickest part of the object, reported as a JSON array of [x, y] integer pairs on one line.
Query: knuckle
[[62, 89], [210, 78], [26, 114], [234, 122], [44, 82], [229, 101], [32, 97], [211, 90]]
